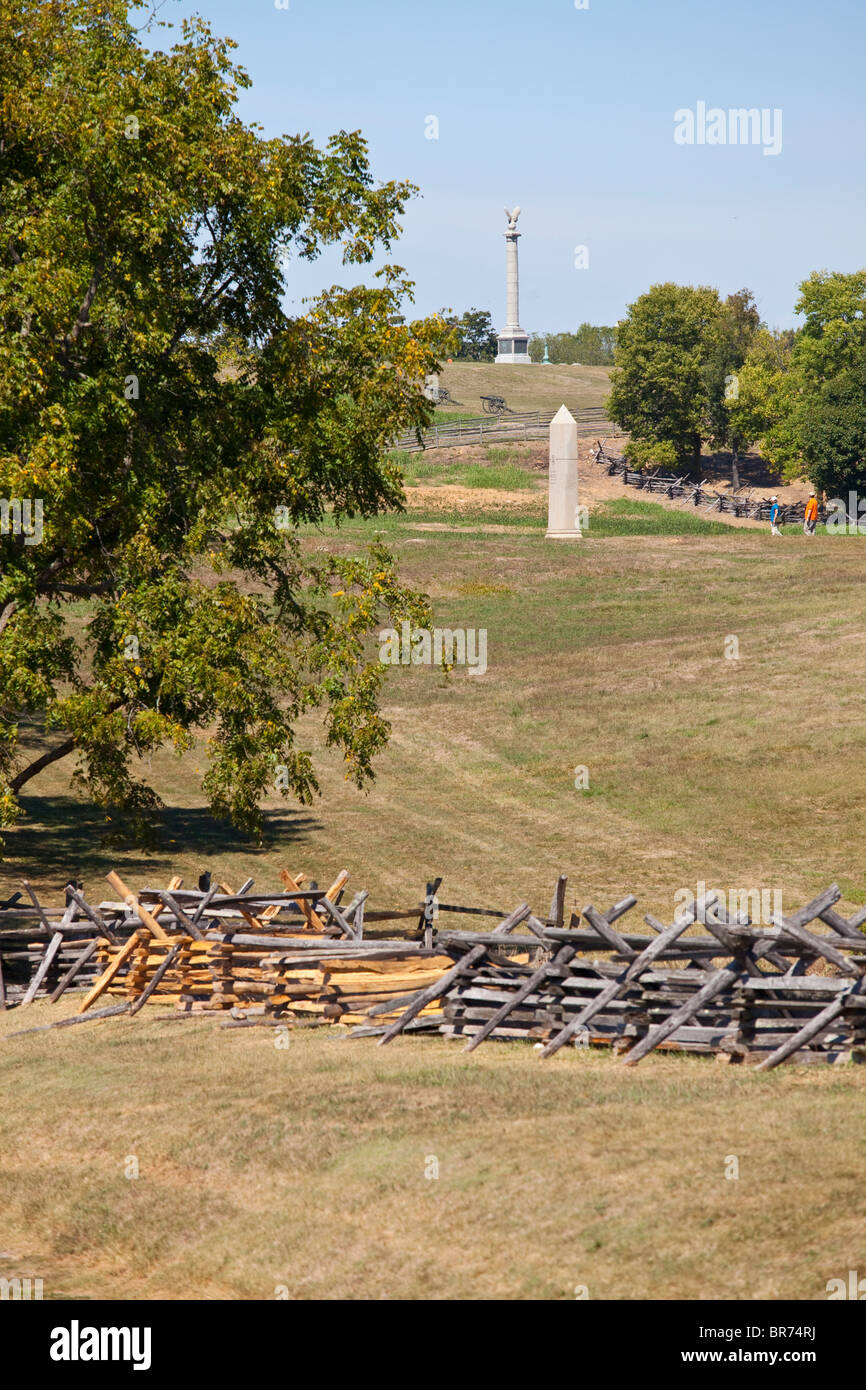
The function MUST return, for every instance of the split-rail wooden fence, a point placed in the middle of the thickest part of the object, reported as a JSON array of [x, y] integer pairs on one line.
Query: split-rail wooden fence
[[710, 981], [699, 494]]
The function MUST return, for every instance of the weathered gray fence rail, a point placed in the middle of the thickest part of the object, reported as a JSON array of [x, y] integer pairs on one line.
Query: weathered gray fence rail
[[698, 494], [711, 981], [514, 428], [742, 992]]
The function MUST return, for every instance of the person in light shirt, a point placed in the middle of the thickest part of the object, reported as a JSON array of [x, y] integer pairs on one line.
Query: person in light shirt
[[774, 517]]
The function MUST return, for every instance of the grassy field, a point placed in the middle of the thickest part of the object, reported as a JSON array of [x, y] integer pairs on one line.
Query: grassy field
[[609, 654], [306, 1167]]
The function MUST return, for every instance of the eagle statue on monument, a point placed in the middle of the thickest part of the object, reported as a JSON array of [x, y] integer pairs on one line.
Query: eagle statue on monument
[[512, 218]]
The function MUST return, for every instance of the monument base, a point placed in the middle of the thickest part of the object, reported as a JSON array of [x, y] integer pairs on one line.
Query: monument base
[[563, 535], [513, 359]]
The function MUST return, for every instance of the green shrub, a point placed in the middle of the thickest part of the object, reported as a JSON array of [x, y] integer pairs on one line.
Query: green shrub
[[650, 453]]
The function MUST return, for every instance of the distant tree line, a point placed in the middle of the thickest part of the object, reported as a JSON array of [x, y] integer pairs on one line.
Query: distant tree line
[[692, 369], [590, 346], [471, 337]]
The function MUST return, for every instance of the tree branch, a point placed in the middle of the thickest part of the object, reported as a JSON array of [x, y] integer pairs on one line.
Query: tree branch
[[106, 586], [83, 319], [7, 613], [206, 298], [54, 755], [11, 606]]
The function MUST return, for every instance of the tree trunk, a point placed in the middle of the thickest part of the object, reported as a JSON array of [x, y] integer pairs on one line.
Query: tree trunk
[[696, 454]]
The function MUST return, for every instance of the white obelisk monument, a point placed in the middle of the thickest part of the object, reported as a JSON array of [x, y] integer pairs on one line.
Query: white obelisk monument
[[513, 344], [563, 521]]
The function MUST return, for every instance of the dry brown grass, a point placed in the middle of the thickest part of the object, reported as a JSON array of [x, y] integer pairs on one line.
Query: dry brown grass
[[524, 388], [305, 1167]]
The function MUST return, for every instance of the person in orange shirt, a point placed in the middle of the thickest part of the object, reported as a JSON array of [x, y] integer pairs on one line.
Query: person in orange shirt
[[811, 518]]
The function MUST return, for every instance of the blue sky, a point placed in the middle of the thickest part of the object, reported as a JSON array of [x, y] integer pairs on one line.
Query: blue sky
[[570, 113]]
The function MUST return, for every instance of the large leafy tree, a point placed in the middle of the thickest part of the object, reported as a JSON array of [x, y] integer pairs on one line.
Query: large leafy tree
[[472, 336], [765, 391], [833, 337], [177, 430], [740, 322], [790, 383], [663, 350], [834, 435]]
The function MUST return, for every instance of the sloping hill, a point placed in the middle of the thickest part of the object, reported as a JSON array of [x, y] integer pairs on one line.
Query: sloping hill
[[524, 388]]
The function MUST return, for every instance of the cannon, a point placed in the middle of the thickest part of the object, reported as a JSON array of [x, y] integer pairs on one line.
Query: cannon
[[445, 395], [495, 405]]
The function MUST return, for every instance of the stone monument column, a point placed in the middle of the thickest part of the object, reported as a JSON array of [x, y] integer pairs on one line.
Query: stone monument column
[[513, 344], [563, 522], [512, 281]]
